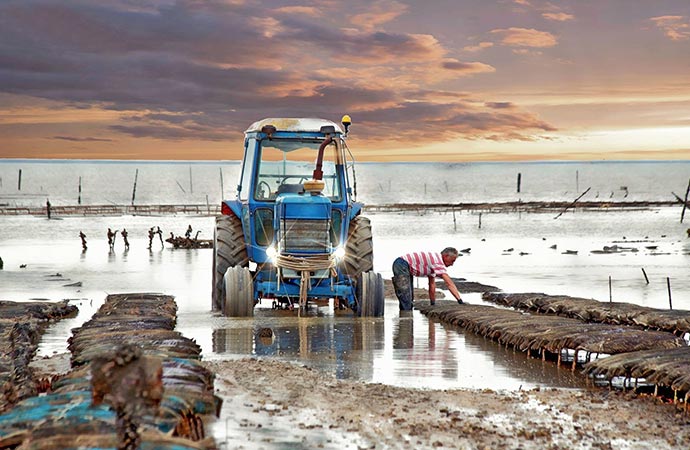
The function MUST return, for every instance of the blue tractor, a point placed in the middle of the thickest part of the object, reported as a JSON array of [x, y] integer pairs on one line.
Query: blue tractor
[[295, 233]]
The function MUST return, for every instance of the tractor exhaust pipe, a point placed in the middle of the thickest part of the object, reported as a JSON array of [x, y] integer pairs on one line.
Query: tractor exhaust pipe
[[318, 172]]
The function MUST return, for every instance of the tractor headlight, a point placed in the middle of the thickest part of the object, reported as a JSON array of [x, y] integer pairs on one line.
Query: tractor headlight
[[339, 253], [271, 252]]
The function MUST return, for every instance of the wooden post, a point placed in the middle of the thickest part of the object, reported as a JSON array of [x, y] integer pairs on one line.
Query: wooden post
[[455, 224], [79, 198], [610, 294], [685, 203], [577, 181], [134, 189], [19, 181], [208, 207], [221, 184], [573, 203], [480, 221], [519, 181], [668, 284], [645, 275], [191, 188]]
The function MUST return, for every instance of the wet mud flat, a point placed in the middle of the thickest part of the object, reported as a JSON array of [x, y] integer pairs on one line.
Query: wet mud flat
[[21, 328], [281, 405], [133, 379]]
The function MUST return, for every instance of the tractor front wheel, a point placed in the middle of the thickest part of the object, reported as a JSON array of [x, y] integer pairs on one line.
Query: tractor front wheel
[[370, 294], [239, 292], [229, 250]]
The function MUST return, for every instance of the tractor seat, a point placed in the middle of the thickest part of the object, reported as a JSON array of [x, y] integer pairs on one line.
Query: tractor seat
[[290, 188]]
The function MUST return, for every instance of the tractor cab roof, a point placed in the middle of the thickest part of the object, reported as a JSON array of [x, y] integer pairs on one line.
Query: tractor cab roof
[[310, 125]]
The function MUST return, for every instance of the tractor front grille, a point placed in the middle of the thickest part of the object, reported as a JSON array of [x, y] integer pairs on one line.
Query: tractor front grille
[[305, 236]]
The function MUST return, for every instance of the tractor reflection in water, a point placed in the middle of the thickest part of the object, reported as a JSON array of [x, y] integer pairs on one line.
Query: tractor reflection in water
[[346, 346]]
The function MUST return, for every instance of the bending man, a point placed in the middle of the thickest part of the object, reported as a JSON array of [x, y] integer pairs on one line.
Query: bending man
[[423, 264]]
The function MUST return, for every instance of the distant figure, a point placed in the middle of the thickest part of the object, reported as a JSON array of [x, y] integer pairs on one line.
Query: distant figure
[[688, 232], [124, 236], [111, 238], [151, 234], [188, 234], [172, 236], [48, 207], [2, 264], [83, 240], [160, 236]]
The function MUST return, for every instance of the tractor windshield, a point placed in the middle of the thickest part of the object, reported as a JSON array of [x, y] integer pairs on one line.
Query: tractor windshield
[[287, 163]]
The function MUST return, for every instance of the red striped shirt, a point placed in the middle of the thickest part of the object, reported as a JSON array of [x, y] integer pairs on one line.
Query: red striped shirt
[[425, 264]]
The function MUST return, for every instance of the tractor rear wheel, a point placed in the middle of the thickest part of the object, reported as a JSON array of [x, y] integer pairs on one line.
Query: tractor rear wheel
[[239, 292], [359, 249], [370, 294], [229, 250]]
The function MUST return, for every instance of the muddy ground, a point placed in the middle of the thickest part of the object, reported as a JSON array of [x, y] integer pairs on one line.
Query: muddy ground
[[271, 404]]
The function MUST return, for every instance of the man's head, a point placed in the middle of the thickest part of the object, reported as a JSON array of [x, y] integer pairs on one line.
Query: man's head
[[449, 255]]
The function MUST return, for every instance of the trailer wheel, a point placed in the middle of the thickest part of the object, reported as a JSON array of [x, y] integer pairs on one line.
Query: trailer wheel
[[359, 249], [229, 250], [239, 292], [370, 294]]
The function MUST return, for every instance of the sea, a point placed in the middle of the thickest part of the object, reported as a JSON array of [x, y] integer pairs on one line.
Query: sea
[[87, 182], [512, 250]]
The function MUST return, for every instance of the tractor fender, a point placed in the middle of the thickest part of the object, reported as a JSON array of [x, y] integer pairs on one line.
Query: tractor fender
[[354, 210], [242, 212], [235, 206]]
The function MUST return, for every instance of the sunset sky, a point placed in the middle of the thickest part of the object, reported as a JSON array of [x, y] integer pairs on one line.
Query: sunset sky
[[443, 80]]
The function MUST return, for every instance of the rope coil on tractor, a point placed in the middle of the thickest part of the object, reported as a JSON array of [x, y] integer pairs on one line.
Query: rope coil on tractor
[[305, 265]]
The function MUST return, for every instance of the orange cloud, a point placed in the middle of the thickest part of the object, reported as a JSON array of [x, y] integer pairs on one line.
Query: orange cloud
[[674, 27], [527, 51], [558, 17], [478, 47], [300, 10], [526, 37], [378, 13]]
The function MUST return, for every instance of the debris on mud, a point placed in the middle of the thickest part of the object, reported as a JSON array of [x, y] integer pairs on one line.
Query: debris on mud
[[185, 242], [21, 327]]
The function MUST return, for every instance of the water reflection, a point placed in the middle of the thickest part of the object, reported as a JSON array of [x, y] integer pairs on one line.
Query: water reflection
[[340, 343], [403, 350]]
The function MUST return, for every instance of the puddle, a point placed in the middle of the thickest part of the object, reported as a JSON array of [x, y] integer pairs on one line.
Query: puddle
[[406, 351]]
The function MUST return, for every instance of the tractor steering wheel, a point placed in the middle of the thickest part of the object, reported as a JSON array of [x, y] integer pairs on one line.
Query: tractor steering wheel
[[264, 190]]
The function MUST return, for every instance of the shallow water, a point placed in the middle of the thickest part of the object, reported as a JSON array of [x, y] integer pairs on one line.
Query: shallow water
[[403, 351]]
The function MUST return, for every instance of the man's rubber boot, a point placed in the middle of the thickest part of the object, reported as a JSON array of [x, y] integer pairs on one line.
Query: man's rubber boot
[[403, 290]]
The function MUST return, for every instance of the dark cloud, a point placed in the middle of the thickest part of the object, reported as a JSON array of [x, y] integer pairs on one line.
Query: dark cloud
[[423, 120], [499, 105], [81, 139], [205, 70]]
